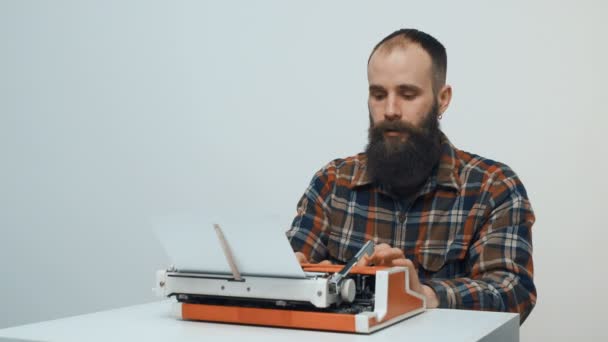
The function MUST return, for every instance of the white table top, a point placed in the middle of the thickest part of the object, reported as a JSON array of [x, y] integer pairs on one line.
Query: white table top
[[153, 322]]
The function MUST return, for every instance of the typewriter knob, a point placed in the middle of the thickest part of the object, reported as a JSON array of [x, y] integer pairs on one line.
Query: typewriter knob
[[348, 290]]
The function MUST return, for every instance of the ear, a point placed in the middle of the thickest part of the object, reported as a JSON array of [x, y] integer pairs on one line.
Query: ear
[[443, 98]]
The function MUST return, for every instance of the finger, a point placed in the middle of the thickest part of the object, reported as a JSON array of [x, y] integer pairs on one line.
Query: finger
[[379, 258], [386, 256], [364, 261], [325, 262], [393, 253], [382, 256], [402, 262], [301, 258], [398, 252], [381, 247]]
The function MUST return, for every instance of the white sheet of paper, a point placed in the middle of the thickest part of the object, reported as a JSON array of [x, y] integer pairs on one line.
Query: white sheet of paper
[[258, 248]]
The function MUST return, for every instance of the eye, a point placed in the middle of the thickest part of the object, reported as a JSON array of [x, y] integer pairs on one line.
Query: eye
[[408, 96], [377, 95]]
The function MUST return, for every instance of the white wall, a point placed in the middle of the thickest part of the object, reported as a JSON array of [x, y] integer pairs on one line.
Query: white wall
[[115, 111]]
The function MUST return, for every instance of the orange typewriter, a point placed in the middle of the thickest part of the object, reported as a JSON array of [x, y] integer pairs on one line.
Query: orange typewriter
[[345, 298]]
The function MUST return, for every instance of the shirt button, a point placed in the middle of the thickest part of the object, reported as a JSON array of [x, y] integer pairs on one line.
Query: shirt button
[[401, 217]]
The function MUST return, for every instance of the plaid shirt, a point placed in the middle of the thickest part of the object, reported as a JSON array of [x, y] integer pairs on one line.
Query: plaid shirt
[[467, 230]]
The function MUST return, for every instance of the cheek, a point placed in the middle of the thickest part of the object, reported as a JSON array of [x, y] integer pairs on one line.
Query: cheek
[[415, 112], [375, 111]]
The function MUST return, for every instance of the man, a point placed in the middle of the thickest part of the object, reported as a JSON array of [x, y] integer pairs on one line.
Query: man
[[461, 221]]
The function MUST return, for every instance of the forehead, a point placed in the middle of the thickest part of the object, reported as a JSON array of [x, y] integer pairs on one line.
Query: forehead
[[408, 64]]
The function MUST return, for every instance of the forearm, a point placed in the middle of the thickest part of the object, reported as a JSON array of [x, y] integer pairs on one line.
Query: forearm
[[500, 291], [499, 259], [310, 245]]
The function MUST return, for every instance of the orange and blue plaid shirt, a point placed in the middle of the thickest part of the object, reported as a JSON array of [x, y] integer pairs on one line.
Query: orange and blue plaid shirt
[[467, 230]]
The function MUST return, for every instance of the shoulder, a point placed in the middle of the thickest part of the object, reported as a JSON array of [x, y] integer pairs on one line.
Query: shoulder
[[471, 163], [495, 178], [342, 170], [344, 166], [347, 164]]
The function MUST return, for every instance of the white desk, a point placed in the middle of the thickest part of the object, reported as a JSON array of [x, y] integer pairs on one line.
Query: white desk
[[153, 322]]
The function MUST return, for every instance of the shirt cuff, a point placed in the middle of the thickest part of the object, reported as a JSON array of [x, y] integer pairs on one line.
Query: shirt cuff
[[445, 293]]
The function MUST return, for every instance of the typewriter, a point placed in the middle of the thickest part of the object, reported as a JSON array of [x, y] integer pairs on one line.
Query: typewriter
[[342, 298]]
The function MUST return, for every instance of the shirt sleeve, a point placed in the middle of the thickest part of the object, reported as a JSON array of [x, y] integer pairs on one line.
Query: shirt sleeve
[[500, 256], [308, 232]]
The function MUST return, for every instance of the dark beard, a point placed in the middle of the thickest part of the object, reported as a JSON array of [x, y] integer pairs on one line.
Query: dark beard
[[403, 166]]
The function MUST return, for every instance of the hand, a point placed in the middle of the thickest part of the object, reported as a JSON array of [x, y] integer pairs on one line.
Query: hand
[[302, 259], [385, 255]]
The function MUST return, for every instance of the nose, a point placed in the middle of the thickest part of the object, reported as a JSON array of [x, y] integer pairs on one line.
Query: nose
[[391, 109]]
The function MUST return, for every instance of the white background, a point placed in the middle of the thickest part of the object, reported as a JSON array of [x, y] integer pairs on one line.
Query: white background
[[112, 112]]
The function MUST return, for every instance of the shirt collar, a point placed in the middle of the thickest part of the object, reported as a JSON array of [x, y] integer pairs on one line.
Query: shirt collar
[[445, 174]]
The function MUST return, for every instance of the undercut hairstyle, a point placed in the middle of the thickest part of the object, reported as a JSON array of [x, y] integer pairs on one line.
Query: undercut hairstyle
[[401, 38]]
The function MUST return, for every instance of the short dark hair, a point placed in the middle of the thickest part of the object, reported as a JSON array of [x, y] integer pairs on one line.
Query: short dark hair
[[429, 43]]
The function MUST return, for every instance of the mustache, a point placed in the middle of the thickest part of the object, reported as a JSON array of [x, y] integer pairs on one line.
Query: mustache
[[377, 130]]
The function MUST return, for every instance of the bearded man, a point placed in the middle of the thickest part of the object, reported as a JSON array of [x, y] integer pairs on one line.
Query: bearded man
[[461, 221]]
